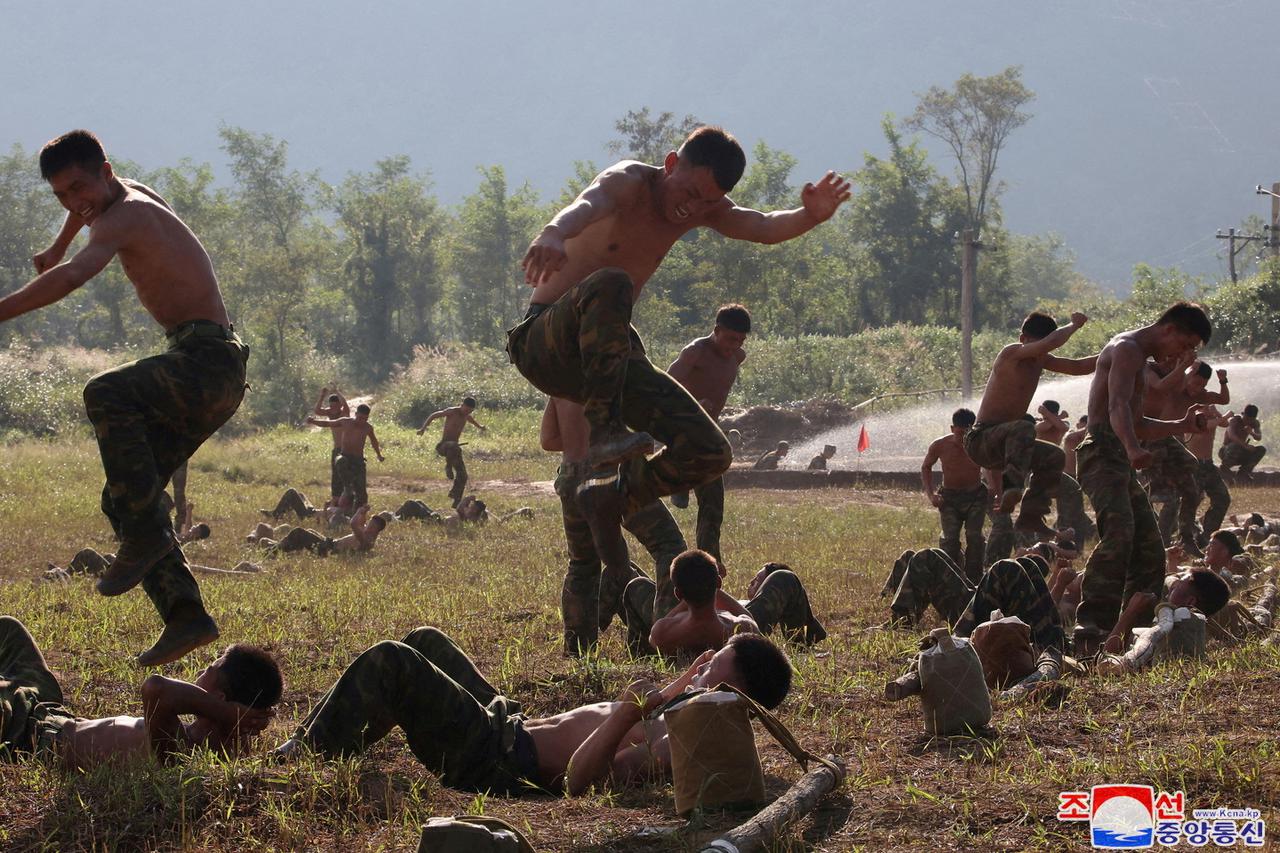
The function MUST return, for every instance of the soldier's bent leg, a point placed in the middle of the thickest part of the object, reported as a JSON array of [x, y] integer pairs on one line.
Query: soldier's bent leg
[[1044, 464], [951, 521], [895, 574], [1209, 478], [1000, 542], [695, 450], [1253, 456], [448, 729], [782, 602], [931, 578], [1008, 586], [975, 544], [637, 611], [1106, 477], [710, 515], [659, 534], [578, 347]]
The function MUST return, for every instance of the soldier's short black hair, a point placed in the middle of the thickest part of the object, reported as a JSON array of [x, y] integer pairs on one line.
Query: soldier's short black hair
[[1251, 411], [963, 418], [74, 148], [696, 574], [469, 401], [1204, 370], [1038, 325], [380, 521], [715, 148], [765, 670], [1189, 317], [1212, 592], [735, 318], [1230, 540], [250, 676], [1255, 518], [363, 409], [1052, 405]]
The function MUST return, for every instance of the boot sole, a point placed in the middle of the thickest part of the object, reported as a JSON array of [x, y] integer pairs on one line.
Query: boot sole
[[116, 582]]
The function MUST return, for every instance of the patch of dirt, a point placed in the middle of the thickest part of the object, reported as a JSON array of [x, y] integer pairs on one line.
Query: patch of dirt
[[762, 427]]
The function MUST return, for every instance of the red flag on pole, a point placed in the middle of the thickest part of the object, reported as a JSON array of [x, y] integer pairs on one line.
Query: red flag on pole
[[864, 440]]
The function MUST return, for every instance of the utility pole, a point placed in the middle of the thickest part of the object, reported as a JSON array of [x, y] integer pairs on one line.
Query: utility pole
[[968, 269], [1273, 230], [1232, 237]]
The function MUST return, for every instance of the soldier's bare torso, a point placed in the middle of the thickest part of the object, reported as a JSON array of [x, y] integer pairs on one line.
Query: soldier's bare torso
[[712, 375], [958, 470], [1010, 387], [164, 260], [1099, 393], [455, 421], [634, 238]]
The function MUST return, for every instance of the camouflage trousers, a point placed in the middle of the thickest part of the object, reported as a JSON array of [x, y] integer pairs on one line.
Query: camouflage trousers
[[1003, 538], [1071, 512], [454, 468], [1246, 456], [293, 501], [967, 510], [302, 539], [31, 710], [781, 602], [1015, 588], [584, 349], [455, 722], [1173, 472], [149, 417], [1209, 480], [335, 480], [353, 476], [929, 576], [710, 497], [1024, 461], [1129, 556], [592, 593]]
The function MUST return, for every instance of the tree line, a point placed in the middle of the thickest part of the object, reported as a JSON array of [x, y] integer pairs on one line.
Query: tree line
[[348, 279]]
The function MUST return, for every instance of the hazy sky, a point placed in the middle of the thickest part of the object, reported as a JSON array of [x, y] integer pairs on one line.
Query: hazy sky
[[1152, 122]]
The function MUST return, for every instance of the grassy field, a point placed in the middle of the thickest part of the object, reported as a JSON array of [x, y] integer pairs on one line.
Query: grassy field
[[1208, 729]]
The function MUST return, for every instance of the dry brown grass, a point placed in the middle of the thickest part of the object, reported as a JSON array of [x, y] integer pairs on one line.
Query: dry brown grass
[[1208, 729]]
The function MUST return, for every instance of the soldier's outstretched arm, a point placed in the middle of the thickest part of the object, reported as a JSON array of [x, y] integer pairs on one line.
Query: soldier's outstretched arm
[[818, 203], [56, 283]]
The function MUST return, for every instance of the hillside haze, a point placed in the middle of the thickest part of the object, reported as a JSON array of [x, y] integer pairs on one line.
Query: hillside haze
[[1151, 125]]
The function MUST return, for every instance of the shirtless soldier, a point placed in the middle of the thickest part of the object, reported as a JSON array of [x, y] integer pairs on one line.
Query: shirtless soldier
[[587, 267], [1004, 439], [458, 725], [351, 434], [456, 419], [150, 415], [1236, 449], [1171, 390], [333, 406], [962, 500], [707, 368], [1208, 477], [1129, 557], [1053, 428]]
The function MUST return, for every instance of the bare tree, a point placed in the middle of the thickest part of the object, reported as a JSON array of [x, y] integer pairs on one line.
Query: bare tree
[[975, 119]]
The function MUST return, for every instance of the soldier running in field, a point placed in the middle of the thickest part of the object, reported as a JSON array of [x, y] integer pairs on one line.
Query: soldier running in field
[[587, 267], [150, 415], [351, 434], [1129, 558], [962, 500], [707, 368], [1004, 438], [456, 419]]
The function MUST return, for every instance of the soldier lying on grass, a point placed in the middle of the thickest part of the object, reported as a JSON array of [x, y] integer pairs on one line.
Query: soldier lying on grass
[[707, 616], [231, 701], [364, 533], [459, 726]]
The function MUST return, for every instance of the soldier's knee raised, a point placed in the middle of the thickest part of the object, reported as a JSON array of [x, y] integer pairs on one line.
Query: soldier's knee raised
[[425, 635], [610, 281]]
